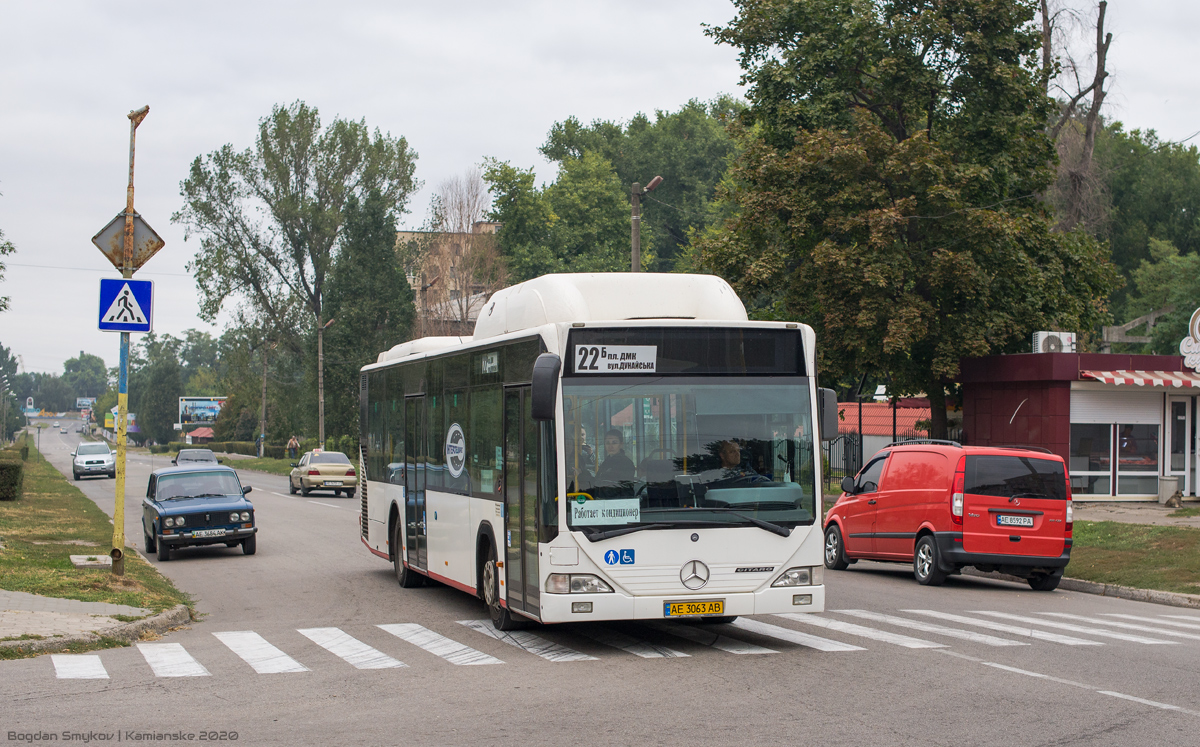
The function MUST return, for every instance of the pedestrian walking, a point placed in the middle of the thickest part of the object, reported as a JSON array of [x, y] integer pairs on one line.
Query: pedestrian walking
[[293, 447]]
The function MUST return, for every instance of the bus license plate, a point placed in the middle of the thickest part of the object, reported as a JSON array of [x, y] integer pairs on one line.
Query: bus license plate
[[333, 482], [694, 609], [209, 533], [1014, 521]]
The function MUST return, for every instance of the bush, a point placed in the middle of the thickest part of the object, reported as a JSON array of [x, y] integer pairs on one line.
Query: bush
[[11, 474]]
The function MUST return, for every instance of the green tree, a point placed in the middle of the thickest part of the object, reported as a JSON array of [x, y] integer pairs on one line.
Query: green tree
[[86, 375], [6, 247], [370, 300], [527, 220], [690, 148], [269, 217], [1167, 278], [886, 193]]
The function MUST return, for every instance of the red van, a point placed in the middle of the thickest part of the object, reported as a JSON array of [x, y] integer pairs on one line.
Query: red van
[[942, 506]]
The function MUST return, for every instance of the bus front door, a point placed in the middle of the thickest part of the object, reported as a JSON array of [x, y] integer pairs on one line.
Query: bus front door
[[520, 502], [414, 482]]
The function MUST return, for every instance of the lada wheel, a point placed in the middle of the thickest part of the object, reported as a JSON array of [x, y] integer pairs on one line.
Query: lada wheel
[[405, 576], [164, 552], [835, 553], [151, 545], [925, 563], [502, 619], [250, 545]]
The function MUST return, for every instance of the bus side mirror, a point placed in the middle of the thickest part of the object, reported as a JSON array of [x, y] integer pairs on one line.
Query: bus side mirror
[[827, 409], [545, 385]]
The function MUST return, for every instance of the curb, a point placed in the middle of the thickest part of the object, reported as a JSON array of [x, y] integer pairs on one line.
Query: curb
[[1168, 598], [125, 632]]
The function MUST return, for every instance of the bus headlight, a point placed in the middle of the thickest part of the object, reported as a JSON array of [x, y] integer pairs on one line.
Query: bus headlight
[[575, 583], [807, 576]]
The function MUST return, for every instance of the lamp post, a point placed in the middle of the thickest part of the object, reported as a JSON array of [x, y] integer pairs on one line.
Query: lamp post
[[321, 379], [636, 193]]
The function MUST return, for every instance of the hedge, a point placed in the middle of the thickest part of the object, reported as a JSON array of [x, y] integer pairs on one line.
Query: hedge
[[11, 474]]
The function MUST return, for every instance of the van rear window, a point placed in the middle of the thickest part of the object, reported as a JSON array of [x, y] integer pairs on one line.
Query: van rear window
[[1016, 477]]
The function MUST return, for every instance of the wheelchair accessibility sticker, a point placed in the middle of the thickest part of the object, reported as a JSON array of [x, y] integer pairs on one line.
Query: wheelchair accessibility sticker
[[623, 557]]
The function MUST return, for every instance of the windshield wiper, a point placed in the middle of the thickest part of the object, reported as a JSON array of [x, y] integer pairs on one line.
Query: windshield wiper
[[201, 495], [625, 530], [774, 528]]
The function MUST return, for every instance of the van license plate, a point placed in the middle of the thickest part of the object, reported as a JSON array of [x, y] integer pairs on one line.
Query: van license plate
[[694, 609], [209, 533], [1014, 521]]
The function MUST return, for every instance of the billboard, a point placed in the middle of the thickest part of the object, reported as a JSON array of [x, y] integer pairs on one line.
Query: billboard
[[199, 410], [83, 403]]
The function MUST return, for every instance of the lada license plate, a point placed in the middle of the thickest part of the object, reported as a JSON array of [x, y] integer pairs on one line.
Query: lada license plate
[[694, 609], [1014, 521], [209, 533], [333, 482]]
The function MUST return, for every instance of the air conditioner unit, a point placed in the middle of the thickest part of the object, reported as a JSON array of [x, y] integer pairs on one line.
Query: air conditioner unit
[[1054, 342]]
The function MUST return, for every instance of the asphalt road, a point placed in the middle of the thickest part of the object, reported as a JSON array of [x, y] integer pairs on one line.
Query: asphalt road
[[289, 650]]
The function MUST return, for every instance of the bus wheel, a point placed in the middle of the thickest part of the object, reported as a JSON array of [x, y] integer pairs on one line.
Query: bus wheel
[[502, 619], [404, 576]]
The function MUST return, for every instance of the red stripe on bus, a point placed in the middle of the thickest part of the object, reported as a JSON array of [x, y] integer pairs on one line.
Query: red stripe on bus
[[447, 581], [383, 555]]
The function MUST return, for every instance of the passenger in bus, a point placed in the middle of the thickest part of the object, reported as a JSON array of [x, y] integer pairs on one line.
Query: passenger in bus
[[617, 467]]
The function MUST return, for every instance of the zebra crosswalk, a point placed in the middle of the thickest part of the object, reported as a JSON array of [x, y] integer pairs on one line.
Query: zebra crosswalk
[[364, 648]]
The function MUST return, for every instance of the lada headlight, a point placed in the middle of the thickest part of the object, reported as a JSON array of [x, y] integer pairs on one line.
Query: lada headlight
[[245, 516]]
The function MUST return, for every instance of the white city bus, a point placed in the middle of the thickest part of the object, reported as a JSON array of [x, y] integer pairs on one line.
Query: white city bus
[[604, 447]]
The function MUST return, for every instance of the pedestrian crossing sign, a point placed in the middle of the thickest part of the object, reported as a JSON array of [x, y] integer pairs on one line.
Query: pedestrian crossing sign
[[126, 305]]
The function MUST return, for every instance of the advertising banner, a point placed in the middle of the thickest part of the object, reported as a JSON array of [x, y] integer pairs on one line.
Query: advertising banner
[[199, 410], [83, 403]]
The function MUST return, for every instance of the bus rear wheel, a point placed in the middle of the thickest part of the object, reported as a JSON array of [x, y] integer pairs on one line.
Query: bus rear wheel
[[502, 619], [406, 577]]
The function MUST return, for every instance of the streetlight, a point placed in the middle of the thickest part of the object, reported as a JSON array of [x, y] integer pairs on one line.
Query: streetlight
[[321, 380], [636, 223]]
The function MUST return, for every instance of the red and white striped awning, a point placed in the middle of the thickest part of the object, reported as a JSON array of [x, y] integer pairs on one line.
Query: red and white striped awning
[[1146, 378]]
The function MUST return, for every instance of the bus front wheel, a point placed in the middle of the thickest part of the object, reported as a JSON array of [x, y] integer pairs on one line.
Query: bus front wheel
[[502, 619]]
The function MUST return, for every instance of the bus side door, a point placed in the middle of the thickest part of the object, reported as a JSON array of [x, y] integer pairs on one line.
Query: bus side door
[[522, 591]]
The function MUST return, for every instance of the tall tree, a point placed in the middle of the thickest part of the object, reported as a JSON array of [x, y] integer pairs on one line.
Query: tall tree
[[299, 177], [371, 301], [887, 190], [6, 248], [86, 375]]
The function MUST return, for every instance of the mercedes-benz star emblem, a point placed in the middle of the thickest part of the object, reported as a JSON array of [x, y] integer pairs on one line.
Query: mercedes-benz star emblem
[[694, 574]]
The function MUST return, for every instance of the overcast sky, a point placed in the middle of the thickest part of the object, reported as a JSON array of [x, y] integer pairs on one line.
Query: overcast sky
[[460, 80]]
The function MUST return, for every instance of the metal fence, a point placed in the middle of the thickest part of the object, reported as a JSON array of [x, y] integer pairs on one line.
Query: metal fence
[[842, 457]]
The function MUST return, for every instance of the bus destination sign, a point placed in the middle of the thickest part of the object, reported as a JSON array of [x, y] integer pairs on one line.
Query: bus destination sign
[[609, 359]]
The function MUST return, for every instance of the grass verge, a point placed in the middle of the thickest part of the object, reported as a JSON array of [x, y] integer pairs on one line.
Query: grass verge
[[53, 520], [1183, 513], [1138, 555], [264, 464]]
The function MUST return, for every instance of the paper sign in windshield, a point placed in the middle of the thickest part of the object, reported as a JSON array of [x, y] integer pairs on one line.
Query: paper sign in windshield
[[618, 511], [608, 359]]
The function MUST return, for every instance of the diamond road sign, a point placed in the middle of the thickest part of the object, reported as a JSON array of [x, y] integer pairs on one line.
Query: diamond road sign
[[111, 241], [126, 305]]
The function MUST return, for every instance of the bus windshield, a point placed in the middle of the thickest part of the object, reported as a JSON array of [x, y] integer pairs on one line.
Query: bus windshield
[[676, 452]]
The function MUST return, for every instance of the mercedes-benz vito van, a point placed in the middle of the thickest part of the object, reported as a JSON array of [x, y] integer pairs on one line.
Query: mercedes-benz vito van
[[942, 506]]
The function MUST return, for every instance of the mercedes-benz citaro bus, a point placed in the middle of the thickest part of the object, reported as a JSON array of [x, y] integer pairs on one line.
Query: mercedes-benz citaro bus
[[613, 446]]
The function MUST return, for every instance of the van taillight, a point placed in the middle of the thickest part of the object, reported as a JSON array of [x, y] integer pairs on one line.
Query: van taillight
[[1070, 516], [956, 497]]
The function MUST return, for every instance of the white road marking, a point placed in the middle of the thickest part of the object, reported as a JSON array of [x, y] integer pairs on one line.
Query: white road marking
[[255, 651], [1079, 628], [1143, 701], [526, 641], [351, 649], [281, 495], [860, 630], [171, 660], [1152, 620], [1189, 618], [78, 667], [325, 504], [637, 647], [1126, 626], [1040, 635], [439, 645], [706, 637], [792, 636], [904, 622]]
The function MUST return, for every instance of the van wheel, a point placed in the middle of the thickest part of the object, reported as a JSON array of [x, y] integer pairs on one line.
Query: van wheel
[[405, 576], [835, 551], [925, 563], [1044, 581], [502, 619]]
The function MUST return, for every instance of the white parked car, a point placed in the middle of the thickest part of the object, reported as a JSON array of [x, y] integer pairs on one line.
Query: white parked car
[[93, 458]]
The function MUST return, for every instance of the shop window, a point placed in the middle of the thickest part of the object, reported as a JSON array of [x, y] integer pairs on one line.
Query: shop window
[[1091, 458], [1137, 459]]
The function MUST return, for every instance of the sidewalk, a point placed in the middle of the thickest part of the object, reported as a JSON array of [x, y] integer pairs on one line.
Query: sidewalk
[[24, 614], [1133, 513]]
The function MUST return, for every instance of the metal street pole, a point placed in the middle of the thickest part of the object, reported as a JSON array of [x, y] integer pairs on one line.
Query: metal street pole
[[321, 379], [635, 228], [118, 541]]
